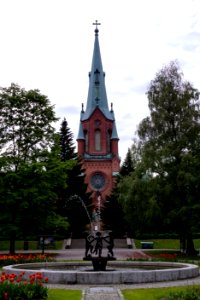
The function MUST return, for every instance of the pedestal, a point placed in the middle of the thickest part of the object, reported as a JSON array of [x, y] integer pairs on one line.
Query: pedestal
[[99, 263]]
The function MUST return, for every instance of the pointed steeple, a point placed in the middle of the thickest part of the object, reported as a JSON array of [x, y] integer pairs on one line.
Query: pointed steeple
[[97, 90]]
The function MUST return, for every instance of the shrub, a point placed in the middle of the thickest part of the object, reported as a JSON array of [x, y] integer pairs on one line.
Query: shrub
[[14, 287]]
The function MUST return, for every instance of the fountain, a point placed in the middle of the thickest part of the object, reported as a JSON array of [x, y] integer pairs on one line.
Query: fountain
[[105, 269], [117, 272]]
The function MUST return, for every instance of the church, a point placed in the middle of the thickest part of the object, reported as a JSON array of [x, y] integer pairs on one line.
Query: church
[[97, 141]]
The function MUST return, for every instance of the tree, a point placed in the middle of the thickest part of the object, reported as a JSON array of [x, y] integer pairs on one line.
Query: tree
[[138, 195], [74, 201], [66, 142], [170, 140], [26, 125], [112, 215], [28, 200], [25, 134], [128, 164]]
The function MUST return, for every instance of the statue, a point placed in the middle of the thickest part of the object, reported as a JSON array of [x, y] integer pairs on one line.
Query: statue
[[99, 244], [99, 262], [110, 240], [88, 245]]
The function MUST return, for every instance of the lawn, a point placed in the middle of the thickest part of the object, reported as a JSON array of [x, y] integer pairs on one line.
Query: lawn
[[166, 243], [149, 293], [32, 245], [57, 294], [129, 294]]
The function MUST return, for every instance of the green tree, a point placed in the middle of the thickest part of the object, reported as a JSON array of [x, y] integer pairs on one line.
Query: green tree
[[28, 200], [66, 142], [75, 201], [26, 178], [170, 139], [26, 125], [128, 164], [138, 195]]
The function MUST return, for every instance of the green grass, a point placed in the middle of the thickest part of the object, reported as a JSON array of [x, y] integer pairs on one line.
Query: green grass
[[160, 243], [166, 243], [57, 294], [129, 294], [33, 245], [149, 293]]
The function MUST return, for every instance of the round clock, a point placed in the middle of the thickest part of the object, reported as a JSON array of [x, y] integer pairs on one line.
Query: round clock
[[98, 181]]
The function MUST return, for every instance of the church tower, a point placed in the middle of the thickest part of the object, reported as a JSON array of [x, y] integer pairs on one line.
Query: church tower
[[97, 139]]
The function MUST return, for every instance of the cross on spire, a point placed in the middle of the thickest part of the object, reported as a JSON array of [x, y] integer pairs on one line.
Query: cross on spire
[[96, 29]]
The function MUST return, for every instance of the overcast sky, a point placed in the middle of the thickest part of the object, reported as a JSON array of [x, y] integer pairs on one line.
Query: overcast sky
[[48, 45]]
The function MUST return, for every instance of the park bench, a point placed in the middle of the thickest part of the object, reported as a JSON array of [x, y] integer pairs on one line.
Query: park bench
[[147, 245]]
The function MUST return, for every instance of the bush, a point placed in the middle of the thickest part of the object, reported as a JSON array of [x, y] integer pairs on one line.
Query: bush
[[14, 287]]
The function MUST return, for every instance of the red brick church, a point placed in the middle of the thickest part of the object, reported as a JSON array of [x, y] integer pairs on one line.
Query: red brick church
[[97, 139]]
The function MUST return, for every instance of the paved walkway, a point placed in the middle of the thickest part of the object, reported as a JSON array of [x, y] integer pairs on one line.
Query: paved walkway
[[102, 293]]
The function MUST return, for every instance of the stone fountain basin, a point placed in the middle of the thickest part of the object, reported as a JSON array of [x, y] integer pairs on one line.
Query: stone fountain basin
[[117, 272]]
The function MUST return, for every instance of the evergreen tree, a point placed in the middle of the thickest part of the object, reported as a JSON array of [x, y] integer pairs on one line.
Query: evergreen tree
[[75, 200], [66, 142], [128, 164]]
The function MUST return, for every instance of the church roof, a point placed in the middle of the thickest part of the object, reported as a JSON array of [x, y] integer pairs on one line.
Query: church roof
[[97, 96], [97, 90]]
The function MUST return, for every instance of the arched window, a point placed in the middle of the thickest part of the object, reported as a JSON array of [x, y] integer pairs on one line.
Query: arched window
[[97, 140], [86, 140], [108, 140]]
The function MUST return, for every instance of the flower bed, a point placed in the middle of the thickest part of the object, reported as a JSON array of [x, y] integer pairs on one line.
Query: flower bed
[[7, 259], [14, 287]]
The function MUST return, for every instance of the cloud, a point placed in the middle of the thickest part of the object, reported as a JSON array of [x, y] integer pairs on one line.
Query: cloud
[[188, 42], [72, 110]]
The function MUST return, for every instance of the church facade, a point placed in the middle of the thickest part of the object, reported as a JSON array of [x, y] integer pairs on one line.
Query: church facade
[[97, 140]]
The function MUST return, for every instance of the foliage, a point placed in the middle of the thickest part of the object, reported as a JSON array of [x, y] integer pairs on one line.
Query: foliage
[[164, 187], [31, 173], [128, 164], [66, 142], [72, 198], [113, 208], [25, 129], [28, 202], [14, 286]]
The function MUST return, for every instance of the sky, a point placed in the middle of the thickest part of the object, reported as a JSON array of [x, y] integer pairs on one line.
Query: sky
[[48, 45]]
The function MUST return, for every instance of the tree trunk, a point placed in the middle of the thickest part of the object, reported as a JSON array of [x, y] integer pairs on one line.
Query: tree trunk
[[190, 250], [12, 243], [183, 244]]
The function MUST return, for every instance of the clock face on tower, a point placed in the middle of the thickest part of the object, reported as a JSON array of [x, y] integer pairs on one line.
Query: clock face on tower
[[98, 181]]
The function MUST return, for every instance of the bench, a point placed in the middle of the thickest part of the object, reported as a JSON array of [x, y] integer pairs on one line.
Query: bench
[[147, 245]]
